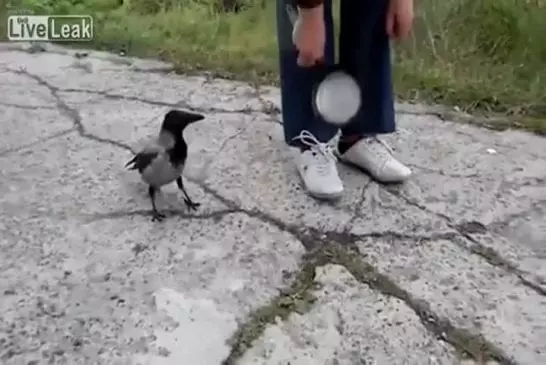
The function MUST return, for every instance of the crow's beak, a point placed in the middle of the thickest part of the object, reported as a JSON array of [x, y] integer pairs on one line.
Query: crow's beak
[[179, 119], [194, 117], [188, 117]]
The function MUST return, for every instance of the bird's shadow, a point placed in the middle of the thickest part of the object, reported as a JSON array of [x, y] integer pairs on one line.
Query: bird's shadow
[[168, 198], [170, 202]]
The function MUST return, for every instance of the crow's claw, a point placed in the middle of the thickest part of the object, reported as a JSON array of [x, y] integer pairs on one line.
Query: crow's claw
[[191, 205], [157, 217]]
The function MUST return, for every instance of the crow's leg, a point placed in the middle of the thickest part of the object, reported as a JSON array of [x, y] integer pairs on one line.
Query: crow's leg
[[156, 216], [189, 203]]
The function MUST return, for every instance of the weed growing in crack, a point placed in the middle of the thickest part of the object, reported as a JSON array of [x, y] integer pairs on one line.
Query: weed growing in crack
[[298, 298]]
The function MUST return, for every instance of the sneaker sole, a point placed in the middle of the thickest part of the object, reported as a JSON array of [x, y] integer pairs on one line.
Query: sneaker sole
[[325, 197], [319, 196], [367, 172]]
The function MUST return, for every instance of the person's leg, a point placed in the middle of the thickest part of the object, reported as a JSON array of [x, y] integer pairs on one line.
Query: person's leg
[[365, 54], [297, 82], [314, 156]]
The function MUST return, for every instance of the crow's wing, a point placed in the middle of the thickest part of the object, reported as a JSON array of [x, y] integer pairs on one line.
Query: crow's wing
[[149, 149], [144, 158], [154, 166]]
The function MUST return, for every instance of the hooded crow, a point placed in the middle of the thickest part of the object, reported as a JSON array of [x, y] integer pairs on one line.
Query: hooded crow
[[161, 161]]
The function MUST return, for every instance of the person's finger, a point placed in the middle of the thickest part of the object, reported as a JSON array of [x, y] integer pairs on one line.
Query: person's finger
[[407, 28], [403, 30], [390, 25], [318, 57], [306, 60], [302, 60]]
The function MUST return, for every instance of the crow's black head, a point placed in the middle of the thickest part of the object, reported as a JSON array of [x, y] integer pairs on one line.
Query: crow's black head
[[176, 120]]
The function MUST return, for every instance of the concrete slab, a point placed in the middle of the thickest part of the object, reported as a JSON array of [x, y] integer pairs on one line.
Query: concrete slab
[[87, 278], [21, 98], [473, 175], [111, 293], [468, 291], [349, 324]]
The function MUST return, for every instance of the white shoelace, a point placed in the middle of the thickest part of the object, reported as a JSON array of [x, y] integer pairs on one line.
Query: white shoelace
[[379, 147], [323, 150]]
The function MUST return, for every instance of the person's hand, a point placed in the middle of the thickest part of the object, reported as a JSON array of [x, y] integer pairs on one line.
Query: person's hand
[[399, 18], [310, 36]]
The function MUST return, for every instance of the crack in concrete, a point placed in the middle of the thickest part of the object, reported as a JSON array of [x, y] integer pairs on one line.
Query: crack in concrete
[[162, 70], [501, 224], [496, 259], [444, 114], [299, 298], [358, 206], [26, 107], [464, 341], [235, 135], [323, 247], [178, 104], [268, 108], [465, 230], [213, 215], [36, 142], [68, 111], [389, 235], [443, 173]]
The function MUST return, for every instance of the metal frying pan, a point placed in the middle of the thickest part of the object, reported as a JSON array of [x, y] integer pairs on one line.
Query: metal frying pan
[[336, 96]]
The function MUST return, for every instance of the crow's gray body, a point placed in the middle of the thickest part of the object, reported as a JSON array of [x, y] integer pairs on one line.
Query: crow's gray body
[[161, 171], [155, 166]]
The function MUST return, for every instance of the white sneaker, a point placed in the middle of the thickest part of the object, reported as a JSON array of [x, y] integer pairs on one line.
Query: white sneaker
[[317, 168], [374, 156]]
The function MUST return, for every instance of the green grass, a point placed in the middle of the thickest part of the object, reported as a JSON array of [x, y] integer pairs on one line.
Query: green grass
[[483, 56]]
